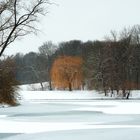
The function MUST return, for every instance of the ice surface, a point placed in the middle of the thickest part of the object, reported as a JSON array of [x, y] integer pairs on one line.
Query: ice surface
[[45, 115]]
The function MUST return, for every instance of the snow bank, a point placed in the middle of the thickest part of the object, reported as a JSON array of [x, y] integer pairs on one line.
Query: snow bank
[[33, 91], [33, 87], [47, 95]]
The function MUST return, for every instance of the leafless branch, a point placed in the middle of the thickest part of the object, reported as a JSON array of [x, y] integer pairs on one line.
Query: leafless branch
[[17, 18]]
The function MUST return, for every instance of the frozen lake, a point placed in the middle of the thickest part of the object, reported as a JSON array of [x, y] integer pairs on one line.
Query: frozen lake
[[71, 119]]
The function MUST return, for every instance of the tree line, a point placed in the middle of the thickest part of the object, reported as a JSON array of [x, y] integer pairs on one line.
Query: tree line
[[111, 66]]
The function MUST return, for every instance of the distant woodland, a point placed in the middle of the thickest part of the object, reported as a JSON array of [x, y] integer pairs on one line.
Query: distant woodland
[[109, 65]]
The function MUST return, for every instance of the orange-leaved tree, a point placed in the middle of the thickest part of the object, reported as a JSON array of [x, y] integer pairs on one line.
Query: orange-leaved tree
[[66, 72]]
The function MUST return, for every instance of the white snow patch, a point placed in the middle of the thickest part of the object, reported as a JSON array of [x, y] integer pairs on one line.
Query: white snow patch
[[37, 127], [119, 108], [3, 116], [42, 95]]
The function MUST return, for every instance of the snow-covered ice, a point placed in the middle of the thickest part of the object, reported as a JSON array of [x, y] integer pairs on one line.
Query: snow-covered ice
[[63, 115]]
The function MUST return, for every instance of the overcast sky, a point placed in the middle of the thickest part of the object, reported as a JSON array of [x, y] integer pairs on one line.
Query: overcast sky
[[80, 19]]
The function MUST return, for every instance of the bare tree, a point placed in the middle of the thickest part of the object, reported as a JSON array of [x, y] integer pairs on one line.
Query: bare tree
[[48, 49], [18, 18]]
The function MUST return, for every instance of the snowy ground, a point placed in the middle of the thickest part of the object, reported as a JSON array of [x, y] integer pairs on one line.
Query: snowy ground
[[40, 117]]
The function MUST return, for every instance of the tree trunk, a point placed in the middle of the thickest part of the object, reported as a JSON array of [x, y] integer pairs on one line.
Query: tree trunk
[[112, 92], [50, 85], [70, 87], [105, 92], [128, 94], [117, 92], [49, 74], [41, 85], [124, 93], [137, 79]]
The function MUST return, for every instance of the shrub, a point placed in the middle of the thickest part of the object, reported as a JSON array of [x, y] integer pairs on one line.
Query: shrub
[[8, 82]]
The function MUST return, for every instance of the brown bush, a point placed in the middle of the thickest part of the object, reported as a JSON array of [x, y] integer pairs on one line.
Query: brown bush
[[8, 83]]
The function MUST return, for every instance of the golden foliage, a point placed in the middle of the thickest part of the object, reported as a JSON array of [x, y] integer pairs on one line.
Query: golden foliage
[[66, 72]]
